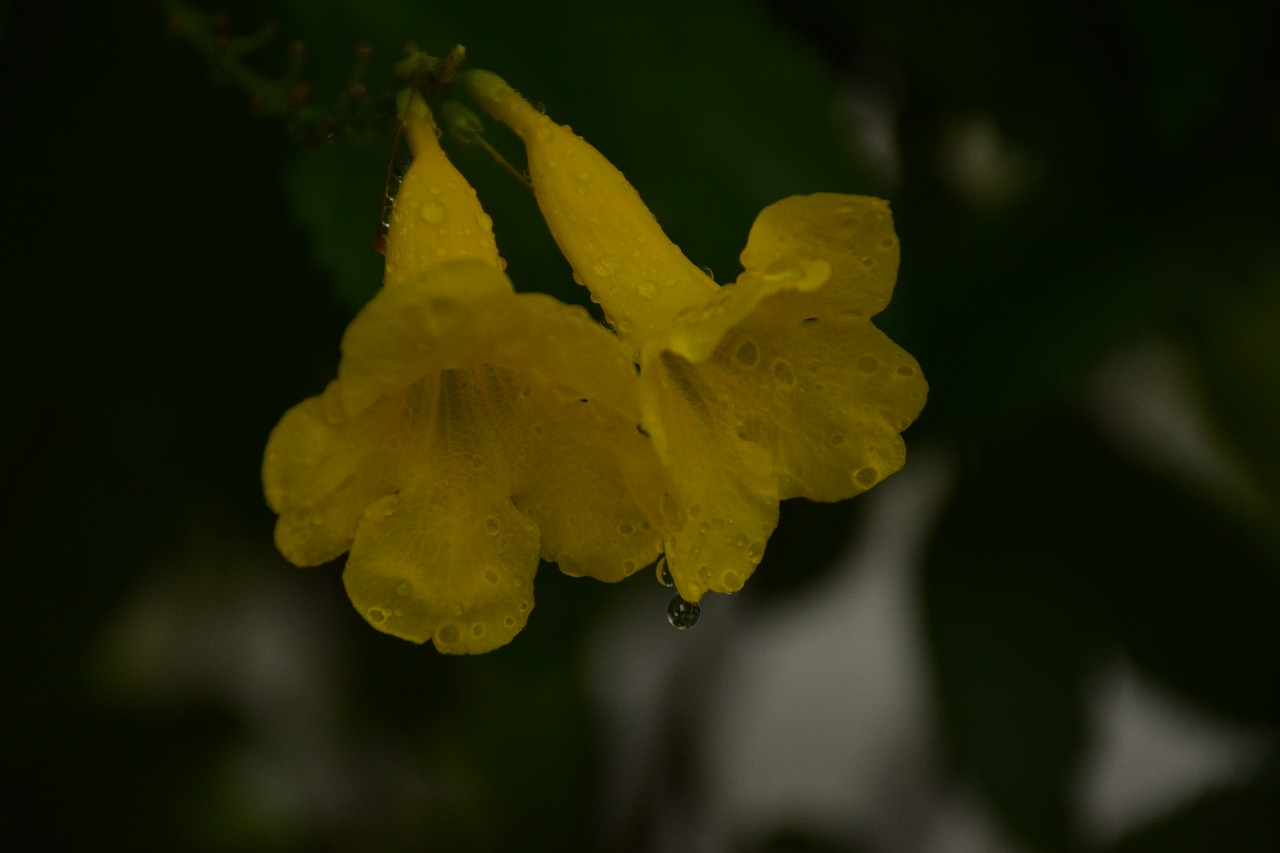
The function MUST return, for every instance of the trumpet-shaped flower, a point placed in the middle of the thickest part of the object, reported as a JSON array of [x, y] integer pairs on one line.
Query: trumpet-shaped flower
[[771, 387], [470, 431]]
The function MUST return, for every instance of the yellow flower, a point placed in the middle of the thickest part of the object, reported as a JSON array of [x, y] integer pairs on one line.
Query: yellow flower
[[470, 431], [772, 387]]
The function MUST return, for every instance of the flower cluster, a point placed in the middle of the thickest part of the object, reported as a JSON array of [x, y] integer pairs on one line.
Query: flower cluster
[[472, 431]]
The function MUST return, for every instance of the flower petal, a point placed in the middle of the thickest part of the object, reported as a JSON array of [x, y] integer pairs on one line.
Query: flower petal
[[471, 430], [853, 234], [615, 246], [320, 475], [436, 215], [724, 504], [825, 396], [448, 560]]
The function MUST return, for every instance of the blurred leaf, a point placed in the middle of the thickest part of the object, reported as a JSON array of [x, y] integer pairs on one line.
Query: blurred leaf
[[1054, 553], [1191, 58], [1240, 354], [337, 198]]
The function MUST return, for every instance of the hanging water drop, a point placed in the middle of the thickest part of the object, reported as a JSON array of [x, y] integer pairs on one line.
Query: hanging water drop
[[664, 574], [683, 614]]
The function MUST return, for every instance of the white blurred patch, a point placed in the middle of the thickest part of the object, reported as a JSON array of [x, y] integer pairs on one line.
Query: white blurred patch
[[981, 166], [815, 714], [1151, 753], [1145, 401]]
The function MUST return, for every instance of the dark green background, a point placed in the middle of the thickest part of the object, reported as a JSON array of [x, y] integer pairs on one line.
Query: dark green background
[[178, 273]]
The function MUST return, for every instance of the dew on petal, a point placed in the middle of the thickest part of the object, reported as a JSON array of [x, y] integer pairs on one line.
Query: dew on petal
[[783, 373], [747, 353], [867, 476], [868, 364], [434, 212]]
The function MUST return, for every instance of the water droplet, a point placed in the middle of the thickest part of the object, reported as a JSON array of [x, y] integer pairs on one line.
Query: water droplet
[[648, 288], [490, 576], [866, 476], [492, 525], [626, 529], [584, 176], [732, 581], [683, 614], [447, 635], [484, 220], [747, 354], [376, 615], [545, 133], [404, 588], [605, 266], [524, 606], [905, 370], [434, 212], [837, 440], [477, 630], [868, 364], [755, 551], [628, 566], [509, 621], [388, 510], [435, 190], [695, 510], [703, 528], [887, 242], [782, 372], [664, 574]]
